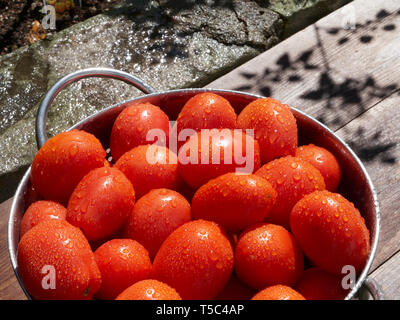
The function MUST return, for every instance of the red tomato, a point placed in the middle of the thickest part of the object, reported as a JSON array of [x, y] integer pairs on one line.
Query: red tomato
[[150, 167], [101, 203], [132, 125], [317, 284], [55, 262], [122, 262], [206, 111], [40, 211], [324, 161], [208, 155], [155, 216], [236, 290], [149, 290], [292, 178], [233, 200], [196, 259], [267, 254], [63, 161], [331, 231], [278, 292], [274, 126]]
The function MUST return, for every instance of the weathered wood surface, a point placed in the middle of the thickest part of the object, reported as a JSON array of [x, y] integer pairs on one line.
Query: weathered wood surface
[[375, 135], [387, 276], [9, 287], [350, 79]]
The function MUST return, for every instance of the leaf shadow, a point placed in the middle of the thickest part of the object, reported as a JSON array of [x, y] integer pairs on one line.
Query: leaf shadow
[[340, 93]]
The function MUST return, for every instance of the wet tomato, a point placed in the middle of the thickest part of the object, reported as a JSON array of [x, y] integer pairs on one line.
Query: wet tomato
[[55, 262], [324, 161], [292, 178], [155, 216], [122, 262], [149, 290], [132, 125], [63, 161], [101, 203], [266, 255], [40, 211], [196, 259], [206, 111], [209, 154], [235, 201], [150, 167], [331, 231], [278, 292], [274, 127]]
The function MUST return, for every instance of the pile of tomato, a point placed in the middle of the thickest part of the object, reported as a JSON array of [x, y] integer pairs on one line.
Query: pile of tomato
[[152, 223]]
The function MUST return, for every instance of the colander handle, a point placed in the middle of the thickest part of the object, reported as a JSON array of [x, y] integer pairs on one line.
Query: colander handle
[[371, 288], [41, 117]]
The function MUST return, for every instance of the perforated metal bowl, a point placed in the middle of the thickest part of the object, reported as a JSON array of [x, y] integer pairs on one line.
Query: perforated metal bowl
[[356, 184]]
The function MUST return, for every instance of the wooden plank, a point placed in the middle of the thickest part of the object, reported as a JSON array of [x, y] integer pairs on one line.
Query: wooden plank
[[9, 286], [329, 72], [375, 137], [388, 278]]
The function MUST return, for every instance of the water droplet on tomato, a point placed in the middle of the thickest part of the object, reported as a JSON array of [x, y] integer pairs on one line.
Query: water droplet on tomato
[[73, 150]]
